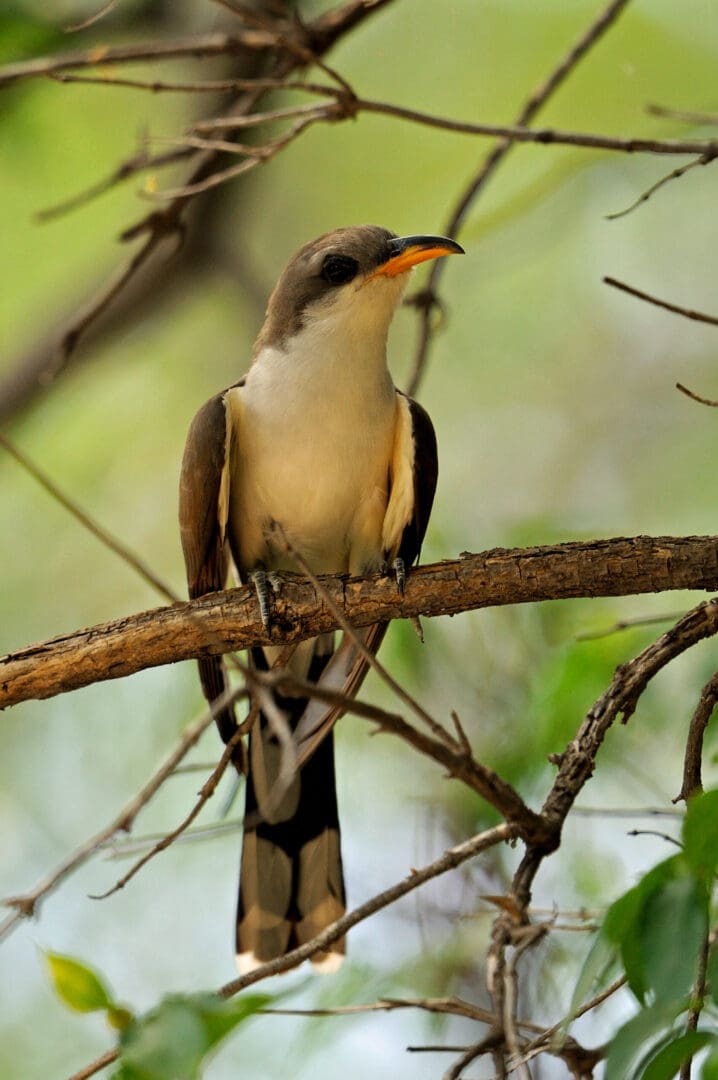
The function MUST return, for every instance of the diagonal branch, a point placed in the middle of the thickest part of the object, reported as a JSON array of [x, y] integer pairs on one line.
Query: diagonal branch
[[452, 858], [531, 107], [688, 313]]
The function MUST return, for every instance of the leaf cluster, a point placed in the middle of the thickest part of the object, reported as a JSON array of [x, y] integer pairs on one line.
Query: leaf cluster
[[171, 1041], [658, 934]]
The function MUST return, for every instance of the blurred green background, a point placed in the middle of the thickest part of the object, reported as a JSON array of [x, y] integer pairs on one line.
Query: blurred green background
[[554, 403]]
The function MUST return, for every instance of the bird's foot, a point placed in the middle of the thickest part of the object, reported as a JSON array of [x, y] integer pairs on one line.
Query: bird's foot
[[400, 574], [262, 581]]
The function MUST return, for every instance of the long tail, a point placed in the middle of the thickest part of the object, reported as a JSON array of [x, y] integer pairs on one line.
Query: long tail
[[291, 881]]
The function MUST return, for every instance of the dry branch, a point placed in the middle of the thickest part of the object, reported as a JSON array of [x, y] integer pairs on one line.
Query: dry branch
[[677, 309], [530, 108], [618, 567]]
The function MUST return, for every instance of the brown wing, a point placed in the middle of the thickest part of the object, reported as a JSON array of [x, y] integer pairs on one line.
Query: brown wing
[[202, 520], [426, 472]]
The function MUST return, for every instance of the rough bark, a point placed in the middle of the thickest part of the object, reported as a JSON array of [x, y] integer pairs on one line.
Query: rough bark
[[226, 621]]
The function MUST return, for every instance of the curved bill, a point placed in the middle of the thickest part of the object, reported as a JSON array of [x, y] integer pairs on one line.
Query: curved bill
[[408, 251]]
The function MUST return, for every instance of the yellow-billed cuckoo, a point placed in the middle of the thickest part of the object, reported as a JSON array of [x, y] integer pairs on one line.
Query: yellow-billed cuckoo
[[315, 437]]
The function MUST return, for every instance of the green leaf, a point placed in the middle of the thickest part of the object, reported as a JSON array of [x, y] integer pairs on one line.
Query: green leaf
[[712, 974], [700, 834], [77, 985], [710, 1067], [598, 969], [171, 1041], [620, 926], [677, 907], [669, 1059], [119, 1018], [643, 924], [642, 1034]]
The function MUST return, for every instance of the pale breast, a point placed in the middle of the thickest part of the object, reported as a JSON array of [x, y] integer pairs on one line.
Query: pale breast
[[319, 467]]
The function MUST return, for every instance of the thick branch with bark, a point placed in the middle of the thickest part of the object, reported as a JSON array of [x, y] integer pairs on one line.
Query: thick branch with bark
[[227, 621]]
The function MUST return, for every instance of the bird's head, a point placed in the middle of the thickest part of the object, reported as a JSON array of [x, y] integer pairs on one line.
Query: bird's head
[[348, 279]]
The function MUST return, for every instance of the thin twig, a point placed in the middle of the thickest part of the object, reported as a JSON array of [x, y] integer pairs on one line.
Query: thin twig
[[528, 111], [299, 49], [206, 792], [234, 123], [692, 764], [697, 1002], [157, 86], [628, 624], [370, 657], [92, 19], [452, 858], [26, 905], [92, 526], [222, 176], [688, 313], [676, 174], [543, 136], [658, 834], [141, 162], [682, 114], [198, 45], [696, 397]]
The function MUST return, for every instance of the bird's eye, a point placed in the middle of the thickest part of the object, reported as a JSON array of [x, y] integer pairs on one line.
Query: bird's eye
[[339, 269]]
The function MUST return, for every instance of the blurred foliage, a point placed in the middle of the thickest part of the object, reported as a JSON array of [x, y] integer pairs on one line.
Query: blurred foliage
[[639, 937], [556, 417], [173, 1040]]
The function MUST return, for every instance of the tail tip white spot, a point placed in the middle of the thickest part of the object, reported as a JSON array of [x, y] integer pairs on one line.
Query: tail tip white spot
[[246, 962], [327, 963]]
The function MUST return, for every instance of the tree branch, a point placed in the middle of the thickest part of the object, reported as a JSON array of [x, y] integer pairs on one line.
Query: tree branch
[[452, 858], [229, 620], [426, 299], [688, 313]]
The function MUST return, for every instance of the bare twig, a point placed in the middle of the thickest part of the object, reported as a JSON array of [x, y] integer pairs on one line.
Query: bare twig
[[206, 86], [452, 858], [96, 1066], [206, 792], [628, 624], [683, 114], [235, 123], [526, 939], [372, 660], [697, 316], [108, 539], [676, 174], [259, 157], [575, 767], [539, 97], [140, 162], [92, 19], [198, 45], [544, 136], [696, 397], [692, 765], [697, 1002], [26, 905]]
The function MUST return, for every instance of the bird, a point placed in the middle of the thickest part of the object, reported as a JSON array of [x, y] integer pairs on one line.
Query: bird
[[316, 439]]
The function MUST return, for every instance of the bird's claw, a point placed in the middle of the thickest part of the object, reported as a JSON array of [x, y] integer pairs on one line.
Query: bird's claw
[[400, 574], [262, 581]]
